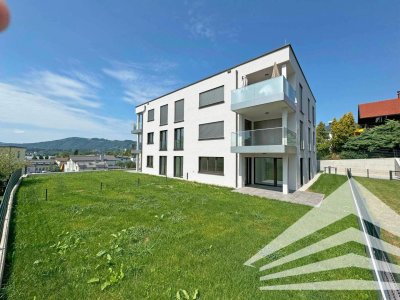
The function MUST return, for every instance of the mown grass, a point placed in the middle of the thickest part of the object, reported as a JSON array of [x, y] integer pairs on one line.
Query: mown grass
[[157, 237], [327, 183], [389, 192]]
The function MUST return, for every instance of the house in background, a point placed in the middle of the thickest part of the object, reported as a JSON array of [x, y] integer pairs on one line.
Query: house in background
[[42, 166], [376, 113], [252, 124], [13, 152], [78, 163]]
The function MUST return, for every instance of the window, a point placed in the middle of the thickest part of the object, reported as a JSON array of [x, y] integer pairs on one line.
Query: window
[[313, 115], [178, 139], [301, 97], [314, 141], [163, 140], [211, 165], [211, 97], [150, 138], [301, 136], [150, 115], [149, 161], [309, 138], [164, 115], [179, 111], [211, 131], [308, 111], [163, 165], [178, 166]]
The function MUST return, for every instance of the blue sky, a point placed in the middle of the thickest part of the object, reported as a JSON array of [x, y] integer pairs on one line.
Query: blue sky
[[77, 68]]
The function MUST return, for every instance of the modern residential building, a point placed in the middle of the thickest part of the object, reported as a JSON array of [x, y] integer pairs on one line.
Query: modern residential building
[[251, 124], [377, 112]]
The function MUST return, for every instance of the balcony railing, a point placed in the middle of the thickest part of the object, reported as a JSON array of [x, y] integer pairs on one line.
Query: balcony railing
[[270, 90], [136, 148], [137, 127], [264, 137]]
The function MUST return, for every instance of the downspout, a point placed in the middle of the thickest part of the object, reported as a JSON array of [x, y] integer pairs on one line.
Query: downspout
[[236, 119]]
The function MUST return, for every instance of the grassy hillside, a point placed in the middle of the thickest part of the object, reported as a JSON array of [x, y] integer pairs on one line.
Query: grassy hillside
[[77, 143]]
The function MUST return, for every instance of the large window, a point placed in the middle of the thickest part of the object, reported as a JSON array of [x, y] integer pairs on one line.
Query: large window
[[211, 131], [313, 115], [178, 139], [309, 139], [163, 140], [179, 111], [150, 138], [301, 136], [150, 115], [301, 97], [211, 97], [163, 165], [308, 110], [149, 161], [164, 115], [178, 166], [211, 165]]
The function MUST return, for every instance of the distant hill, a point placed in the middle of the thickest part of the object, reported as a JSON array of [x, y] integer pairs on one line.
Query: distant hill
[[76, 143]]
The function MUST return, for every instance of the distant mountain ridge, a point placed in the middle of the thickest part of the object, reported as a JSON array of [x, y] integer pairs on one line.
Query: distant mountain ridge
[[76, 143]]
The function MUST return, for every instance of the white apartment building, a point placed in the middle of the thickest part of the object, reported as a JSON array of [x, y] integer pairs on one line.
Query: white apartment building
[[252, 124]]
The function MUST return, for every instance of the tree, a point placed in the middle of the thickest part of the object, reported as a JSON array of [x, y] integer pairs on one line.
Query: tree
[[323, 143], [342, 131], [9, 162], [76, 152], [375, 142]]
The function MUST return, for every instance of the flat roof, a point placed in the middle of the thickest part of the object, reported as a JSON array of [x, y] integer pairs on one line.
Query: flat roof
[[228, 69]]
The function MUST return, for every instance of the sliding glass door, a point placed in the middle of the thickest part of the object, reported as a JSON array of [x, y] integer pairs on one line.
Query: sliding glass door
[[268, 171]]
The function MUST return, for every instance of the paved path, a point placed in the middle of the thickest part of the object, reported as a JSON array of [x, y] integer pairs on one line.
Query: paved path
[[299, 197]]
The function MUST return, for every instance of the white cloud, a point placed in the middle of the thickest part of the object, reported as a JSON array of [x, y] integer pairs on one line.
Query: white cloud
[[44, 117], [121, 75], [64, 88], [142, 81], [19, 131]]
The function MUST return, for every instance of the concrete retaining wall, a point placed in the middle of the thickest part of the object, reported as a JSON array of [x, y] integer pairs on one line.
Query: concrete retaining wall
[[371, 167]]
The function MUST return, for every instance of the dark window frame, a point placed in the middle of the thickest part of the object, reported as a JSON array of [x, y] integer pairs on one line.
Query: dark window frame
[[175, 121], [161, 158], [301, 98], [150, 158], [148, 115], [215, 103], [182, 139], [215, 171], [301, 135], [216, 138], [152, 138], [161, 108], [175, 173], [161, 140]]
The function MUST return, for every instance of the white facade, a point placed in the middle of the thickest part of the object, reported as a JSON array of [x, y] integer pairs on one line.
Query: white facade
[[261, 118]]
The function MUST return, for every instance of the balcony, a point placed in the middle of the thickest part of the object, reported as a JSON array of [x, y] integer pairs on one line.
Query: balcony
[[269, 140], [136, 148], [275, 90], [137, 128]]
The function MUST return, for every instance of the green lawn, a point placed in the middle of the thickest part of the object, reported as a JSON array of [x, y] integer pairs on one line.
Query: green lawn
[[327, 184], [152, 239], [387, 191]]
